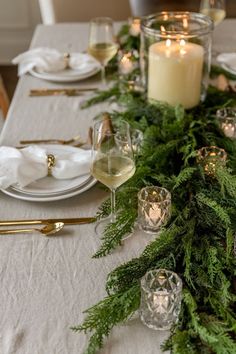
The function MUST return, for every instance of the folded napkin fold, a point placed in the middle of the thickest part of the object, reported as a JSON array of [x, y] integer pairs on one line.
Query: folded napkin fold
[[228, 60], [51, 60], [24, 166]]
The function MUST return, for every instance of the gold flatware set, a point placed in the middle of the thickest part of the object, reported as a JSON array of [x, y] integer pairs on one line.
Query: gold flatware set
[[52, 226]]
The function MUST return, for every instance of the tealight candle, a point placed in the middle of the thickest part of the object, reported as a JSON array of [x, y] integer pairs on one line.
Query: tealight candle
[[210, 157], [161, 294], [175, 72], [154, 208], [227, 120], [135, 26], [126, 64]]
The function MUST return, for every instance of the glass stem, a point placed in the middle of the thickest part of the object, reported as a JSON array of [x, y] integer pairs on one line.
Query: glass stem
[[113, 205], [103, 76]]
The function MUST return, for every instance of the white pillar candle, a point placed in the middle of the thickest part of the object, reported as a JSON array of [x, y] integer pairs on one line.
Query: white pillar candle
[[175, 72]]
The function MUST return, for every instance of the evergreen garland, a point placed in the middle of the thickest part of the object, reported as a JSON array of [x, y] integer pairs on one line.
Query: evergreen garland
[[198, 241]]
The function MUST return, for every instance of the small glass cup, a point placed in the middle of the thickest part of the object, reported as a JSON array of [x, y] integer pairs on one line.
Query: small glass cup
[[136, 140], [127, 62], [134, 26], [227, 121], [154, 208], [161, 295], [210, 157]]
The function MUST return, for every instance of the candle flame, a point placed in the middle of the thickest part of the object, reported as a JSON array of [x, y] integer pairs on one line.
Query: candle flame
[[163, 30], [185, 23], [165, 16]]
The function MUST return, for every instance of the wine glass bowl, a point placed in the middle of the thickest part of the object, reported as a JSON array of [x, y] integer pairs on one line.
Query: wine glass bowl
[[112, 158], [102, 45], [214, 9]]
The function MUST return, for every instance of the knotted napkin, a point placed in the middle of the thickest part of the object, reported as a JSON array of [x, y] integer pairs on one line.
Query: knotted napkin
[[228, 60], [51, 60], [24, 166]]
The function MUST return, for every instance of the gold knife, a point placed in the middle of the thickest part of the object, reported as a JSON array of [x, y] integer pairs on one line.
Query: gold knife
[[63, 91], [66, 221]]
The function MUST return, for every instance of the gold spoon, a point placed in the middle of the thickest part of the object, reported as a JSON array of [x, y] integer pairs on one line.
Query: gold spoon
[[48, 230]]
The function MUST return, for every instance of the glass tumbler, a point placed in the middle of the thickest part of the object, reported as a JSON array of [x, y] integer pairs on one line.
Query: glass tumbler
[[227, 121], [209, 157], [161, 295], [154, 208]]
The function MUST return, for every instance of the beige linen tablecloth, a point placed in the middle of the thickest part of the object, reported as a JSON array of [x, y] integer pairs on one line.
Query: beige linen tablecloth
[[46, 283]]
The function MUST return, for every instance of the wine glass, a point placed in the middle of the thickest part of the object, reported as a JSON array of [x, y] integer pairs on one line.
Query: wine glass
[[102, 45], [214, 9], [112, 159]]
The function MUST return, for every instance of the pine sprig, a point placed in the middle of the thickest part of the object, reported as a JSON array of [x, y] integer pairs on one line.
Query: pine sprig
[[114, 232], [102, 317]]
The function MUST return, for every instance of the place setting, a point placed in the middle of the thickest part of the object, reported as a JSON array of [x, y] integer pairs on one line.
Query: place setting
[[52, 65], [45, 173]]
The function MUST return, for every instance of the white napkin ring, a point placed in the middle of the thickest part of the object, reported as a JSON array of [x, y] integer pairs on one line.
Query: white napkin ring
[[51, 162]]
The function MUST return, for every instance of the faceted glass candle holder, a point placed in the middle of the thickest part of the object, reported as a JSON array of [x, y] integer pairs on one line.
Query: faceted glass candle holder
[[210, 157], [127, 62], [136, 139], [161, 294], [227, 121], [154, 208]]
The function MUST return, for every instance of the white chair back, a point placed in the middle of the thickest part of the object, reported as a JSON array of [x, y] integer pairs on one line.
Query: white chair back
[[47, 9]]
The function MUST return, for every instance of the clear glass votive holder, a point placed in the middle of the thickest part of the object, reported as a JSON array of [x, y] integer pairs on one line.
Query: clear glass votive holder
[[154, 208], [210, 157], [161, 295], [134, 26], [227, 121], [136, 139]]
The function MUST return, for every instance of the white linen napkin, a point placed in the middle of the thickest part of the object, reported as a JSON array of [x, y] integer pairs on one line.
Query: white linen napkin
[[24, 166], [51, 60], [228, 60]]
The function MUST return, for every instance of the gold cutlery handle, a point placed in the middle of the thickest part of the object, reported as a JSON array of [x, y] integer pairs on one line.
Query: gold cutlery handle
[[62, 91], [16, 231], [66, 221], [42, 141]]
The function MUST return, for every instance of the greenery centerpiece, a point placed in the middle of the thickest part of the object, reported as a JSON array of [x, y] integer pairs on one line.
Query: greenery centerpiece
[[198, 241]]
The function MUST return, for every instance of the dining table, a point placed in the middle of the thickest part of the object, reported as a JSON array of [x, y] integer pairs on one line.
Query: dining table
[[47, 282]]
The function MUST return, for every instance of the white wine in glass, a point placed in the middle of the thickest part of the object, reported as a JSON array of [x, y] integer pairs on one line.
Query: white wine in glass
[[214, 9], [102, 45], [112, 160]]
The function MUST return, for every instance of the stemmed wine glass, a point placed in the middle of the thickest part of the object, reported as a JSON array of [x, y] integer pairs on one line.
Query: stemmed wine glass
[[214, 9], [102, 45], [112, 160]]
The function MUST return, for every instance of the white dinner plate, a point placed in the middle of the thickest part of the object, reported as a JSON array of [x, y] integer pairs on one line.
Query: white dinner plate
[[67, 75], [63, 195], [228, 68], [49, 186]]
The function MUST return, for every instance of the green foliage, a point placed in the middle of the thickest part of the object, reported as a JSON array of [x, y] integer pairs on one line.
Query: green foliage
[[106, 314], [198, 240]]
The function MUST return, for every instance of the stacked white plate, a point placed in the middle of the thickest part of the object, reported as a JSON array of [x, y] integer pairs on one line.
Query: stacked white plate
[[49, 188], [66, 75], [227, 62]]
